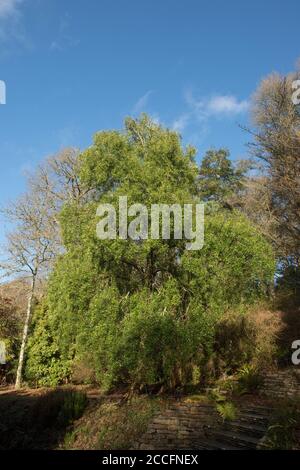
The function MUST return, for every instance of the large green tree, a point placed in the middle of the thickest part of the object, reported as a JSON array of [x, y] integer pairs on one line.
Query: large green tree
[[219, 177], [141, 312]]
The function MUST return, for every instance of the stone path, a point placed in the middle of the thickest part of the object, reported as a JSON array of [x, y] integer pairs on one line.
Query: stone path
[[199, 426], [282, 383]]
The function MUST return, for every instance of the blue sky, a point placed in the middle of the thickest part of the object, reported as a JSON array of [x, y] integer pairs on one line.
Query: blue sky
[[73, 67]]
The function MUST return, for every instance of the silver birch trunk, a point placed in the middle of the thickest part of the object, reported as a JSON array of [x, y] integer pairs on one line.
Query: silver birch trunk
[[25, 334]]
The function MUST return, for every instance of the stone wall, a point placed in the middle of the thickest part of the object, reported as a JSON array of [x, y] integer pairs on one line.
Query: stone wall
[[181, 426], [199, 426], [282, 383]]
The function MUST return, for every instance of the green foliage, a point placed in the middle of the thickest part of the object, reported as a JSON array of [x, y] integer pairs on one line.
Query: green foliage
[[45, 365], [249, 379], [9, 335], [57, 408], [218, 177], [234, 265], [289, 278], [227, 411], [73, 407], [283, 433], [99, 336], [158, 342], [142, 312]]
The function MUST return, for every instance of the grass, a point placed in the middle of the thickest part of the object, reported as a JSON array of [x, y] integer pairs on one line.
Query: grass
[[284, 430], [113, 425], [196, 398], [249, 379], [57, 408], [227, 411]]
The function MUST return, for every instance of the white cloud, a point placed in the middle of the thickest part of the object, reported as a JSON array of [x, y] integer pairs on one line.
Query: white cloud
[[181, 122], [216, 105], [195, 118], [9, 7], [142, 102], [226, 104]]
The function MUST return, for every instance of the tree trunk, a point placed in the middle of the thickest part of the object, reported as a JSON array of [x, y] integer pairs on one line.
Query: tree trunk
[[25, 334]]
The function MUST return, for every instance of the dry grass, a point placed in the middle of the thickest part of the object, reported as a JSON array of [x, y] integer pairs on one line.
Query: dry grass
[[113, 424], [268, 325]]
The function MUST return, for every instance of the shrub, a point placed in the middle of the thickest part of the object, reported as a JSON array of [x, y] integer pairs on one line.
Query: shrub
[[227, 411], [284, 430], [246, 336], [45, 365], [249, 379]]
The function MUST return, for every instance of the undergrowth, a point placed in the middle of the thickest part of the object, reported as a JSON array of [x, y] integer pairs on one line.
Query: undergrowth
[[284, 430], [113, 425]]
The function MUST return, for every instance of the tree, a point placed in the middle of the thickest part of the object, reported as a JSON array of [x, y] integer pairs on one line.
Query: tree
[[9, 331], [30, 250], [219, 179], [57, 182], [255, 202], [141, 312], [277, 145], [36, 240], [13, 300]]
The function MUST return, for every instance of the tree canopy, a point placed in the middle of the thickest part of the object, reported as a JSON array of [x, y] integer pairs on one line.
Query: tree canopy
[[141, 312]]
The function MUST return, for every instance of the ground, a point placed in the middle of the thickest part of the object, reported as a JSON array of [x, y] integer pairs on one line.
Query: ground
[[81, 417], [29, 419]]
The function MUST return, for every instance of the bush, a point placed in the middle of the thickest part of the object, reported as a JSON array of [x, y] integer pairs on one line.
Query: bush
[[284, 430], [227, 411], [10, 328], [158, 344], [249, 379], [246, 338], [45, 365]]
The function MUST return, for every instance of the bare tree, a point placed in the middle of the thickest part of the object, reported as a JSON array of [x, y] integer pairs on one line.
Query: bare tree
[[277, 145], [31, 248], [36, 239], [57, 181]]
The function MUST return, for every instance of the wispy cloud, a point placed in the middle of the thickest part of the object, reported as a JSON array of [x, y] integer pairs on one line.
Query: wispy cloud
[[216, 105], [181, 122], [202, 109], [226, 104], [12, 31], [142, 102], [64, 39], [9, 7]]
